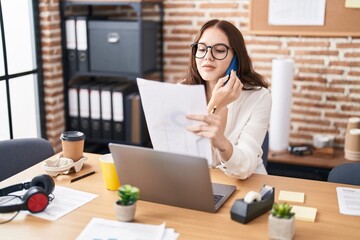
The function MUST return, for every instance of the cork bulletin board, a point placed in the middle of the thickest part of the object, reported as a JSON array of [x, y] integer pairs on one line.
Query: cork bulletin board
[[339, 21]]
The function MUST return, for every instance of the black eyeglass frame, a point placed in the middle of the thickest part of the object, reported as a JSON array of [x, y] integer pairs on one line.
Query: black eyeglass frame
[[194, 49]]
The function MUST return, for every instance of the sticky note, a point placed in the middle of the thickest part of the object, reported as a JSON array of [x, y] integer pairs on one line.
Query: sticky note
[[307, 214], [288, 196], [352, 4]]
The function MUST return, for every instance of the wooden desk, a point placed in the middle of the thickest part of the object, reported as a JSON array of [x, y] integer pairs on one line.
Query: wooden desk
[[310, 167], [310, 161], [189, 223]]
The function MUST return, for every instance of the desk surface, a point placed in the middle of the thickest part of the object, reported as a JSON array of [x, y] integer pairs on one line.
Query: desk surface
[[191, 224], [311, 161]]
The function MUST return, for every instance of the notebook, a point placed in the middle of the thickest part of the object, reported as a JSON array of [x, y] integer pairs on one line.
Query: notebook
[[169, 178]]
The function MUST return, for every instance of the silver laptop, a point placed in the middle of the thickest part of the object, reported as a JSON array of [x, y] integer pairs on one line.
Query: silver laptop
[[168, 178]]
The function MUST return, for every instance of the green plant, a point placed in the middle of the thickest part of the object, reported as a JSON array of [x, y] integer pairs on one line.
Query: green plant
[[282, 210], [128, 195]]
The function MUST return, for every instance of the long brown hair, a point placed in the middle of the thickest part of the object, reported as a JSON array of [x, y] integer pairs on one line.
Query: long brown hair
[[248, 76]]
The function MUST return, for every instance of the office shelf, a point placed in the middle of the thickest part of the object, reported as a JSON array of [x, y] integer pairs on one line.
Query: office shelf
[[86, 65]]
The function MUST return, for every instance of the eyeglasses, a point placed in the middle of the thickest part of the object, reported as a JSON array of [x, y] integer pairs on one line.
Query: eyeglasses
[[219, 51]]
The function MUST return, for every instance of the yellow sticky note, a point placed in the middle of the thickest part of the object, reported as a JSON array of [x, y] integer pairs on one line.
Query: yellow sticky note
[[307, 214], [352, 3], [288, 196]]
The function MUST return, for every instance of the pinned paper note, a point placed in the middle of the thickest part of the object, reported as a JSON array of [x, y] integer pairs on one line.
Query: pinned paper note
[[288, 196], [307, 214]]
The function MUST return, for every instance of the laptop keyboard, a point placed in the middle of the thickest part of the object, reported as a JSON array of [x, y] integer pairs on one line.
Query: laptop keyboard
[[217, 198]]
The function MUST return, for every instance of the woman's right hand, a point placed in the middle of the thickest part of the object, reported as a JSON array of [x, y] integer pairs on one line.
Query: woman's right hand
[[222, 95]]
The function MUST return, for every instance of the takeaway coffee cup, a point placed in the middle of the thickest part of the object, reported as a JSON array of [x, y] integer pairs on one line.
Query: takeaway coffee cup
[[73, 144], [108, 171], [353, 122], [353, 141]]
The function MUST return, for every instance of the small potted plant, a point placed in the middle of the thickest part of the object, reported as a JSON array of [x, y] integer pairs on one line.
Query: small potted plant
[[281, 222], [125, 206]]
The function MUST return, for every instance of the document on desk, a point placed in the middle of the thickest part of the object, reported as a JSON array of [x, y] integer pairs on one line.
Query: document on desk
[[166, 106], [65, 201], [349, 200], [99, 228]]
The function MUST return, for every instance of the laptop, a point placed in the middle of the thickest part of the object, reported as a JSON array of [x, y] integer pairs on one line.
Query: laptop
[[169, 178]]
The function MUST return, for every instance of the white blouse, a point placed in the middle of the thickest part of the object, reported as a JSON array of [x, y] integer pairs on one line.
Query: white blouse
[[247, 123]]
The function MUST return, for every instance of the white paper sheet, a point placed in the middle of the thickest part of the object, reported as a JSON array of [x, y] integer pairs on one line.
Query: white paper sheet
[[165, 107], [99, 228], [66, 200], [348, 200], [297, 12]]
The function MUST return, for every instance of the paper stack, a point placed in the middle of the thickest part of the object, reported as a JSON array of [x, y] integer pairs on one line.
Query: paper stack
[[99, 228]]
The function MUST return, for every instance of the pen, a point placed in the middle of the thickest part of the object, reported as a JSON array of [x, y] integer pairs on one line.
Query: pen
[[82, 176]]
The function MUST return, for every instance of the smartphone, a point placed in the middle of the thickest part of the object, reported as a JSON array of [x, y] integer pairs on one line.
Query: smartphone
[[233, 66]]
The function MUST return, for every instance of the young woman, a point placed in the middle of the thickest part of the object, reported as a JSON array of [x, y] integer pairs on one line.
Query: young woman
[[239, 104]]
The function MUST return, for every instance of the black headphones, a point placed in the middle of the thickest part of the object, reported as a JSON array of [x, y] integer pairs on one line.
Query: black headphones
[[35, 200]]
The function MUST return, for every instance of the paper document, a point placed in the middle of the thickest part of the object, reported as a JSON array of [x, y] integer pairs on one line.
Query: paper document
[[348, 200], [166, 106], [297, 12], [99, 228], [65, 201]]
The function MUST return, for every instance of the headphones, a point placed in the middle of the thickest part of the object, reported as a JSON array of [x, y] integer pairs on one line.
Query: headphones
[[36, 198]]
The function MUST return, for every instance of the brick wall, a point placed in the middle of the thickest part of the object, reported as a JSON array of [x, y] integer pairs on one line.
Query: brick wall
[[52, 69], [326, 87]]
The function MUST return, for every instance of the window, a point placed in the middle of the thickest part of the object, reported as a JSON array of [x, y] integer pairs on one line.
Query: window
[[20, 73]]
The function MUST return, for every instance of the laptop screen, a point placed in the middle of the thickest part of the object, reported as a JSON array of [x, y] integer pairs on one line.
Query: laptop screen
[[166, 178]]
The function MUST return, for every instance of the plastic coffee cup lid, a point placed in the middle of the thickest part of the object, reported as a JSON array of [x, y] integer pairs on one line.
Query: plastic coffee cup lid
[[354, 120], [72, 136], [355, 131]]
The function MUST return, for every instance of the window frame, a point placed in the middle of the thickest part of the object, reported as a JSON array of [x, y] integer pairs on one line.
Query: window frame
[[37, 70]]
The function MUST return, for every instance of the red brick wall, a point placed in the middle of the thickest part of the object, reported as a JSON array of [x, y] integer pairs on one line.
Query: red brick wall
[[326, 87], [52, 69]]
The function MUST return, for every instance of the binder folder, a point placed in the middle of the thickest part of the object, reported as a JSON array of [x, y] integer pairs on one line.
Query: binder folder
[[73, 107], [136, 127], [128, 116], [136, 120], [71, 46], [95, 111], [142, 136], [106, 111], [84, 99], [118, 106], [82, 44]]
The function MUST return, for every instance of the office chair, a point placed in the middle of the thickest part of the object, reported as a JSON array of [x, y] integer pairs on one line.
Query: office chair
[[347, 173], [17, 155], [265, 148]]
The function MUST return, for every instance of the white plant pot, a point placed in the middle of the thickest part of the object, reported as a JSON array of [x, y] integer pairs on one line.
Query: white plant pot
[[125, 213], [281, 228]]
